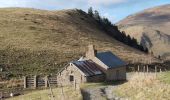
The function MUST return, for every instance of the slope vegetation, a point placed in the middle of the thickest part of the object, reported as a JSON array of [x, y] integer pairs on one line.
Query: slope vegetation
[[40, 42]]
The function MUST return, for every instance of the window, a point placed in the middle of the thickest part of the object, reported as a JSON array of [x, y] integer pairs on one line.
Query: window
[[71, 78]]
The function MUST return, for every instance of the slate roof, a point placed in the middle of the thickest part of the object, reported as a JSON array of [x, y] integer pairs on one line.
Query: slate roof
[[88, 67], [109, 59]]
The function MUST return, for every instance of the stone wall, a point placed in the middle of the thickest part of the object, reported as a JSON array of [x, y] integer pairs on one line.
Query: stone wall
[[63, 77], [91, 52]]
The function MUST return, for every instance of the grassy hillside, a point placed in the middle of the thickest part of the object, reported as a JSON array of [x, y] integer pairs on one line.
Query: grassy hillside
[[39, 42], [145, 87], [151, 28]]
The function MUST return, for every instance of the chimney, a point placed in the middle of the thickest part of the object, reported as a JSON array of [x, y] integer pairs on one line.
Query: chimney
[[91, 52]]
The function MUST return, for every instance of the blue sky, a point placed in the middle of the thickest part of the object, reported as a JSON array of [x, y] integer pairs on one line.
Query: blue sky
[[115, 10]]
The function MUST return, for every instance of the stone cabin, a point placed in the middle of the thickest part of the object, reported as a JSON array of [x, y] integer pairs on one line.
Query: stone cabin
[[94, 67]]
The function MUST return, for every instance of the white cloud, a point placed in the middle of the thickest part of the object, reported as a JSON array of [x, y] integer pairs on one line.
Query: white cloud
[[13, 3], [41, 4], [58, 3], [105, 2], [106, 15], [111, 17]]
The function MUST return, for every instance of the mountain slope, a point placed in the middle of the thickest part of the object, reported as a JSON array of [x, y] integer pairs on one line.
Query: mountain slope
[[39, 42], [151, 28]]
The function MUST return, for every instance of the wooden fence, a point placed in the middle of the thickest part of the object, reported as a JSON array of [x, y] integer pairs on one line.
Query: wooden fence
[[39, 81]]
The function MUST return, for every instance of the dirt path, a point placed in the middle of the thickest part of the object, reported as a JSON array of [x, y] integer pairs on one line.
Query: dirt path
[[103, 92], [100, 93]]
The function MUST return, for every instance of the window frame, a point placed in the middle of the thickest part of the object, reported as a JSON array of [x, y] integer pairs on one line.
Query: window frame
[[71, 78]]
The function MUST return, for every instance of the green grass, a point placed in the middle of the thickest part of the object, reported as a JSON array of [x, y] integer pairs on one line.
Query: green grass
[[92, 85], [165, 77], [100, 84], [69, 94]]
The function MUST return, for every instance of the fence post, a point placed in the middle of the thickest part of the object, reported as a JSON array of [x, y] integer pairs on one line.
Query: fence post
[[144, 69], [156, 71], [160, 70], [35, 81], [25, 82], [1, 96], [138, 69], [46, 81]]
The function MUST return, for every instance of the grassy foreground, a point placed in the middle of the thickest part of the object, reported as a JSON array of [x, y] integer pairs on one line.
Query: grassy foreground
[[68, 94], [148, 86], [165, 77]]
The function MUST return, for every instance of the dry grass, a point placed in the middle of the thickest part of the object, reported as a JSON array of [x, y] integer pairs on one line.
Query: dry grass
[[53, 30], [144, 87], [69, 94], [11, 83], [37, 42]]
